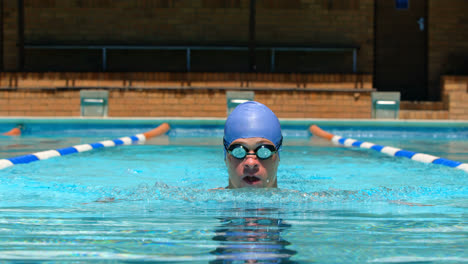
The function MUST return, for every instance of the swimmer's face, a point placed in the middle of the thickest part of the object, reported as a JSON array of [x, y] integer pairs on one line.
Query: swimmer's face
[[252, 171]]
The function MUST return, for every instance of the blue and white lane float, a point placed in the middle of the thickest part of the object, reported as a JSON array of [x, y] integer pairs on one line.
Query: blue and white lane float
[[396, 152], [42, 155]]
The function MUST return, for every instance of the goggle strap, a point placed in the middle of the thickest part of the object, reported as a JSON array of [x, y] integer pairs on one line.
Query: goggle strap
[[279, 144], [225, 143]]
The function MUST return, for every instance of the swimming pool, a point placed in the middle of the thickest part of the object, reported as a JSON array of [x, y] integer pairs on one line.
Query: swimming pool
[[152, 201]]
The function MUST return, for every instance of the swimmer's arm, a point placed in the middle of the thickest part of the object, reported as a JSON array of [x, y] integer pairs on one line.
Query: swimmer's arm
[[219, 188], [408, 203], [111, 200]]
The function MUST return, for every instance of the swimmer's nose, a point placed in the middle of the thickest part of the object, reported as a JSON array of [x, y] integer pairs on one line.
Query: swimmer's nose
[[251, 162]]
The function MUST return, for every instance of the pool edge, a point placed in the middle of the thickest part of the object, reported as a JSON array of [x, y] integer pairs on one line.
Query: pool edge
[[220, 121]]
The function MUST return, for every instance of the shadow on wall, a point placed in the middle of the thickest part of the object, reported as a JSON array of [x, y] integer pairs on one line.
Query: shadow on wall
[[457, 64], [125, 80]]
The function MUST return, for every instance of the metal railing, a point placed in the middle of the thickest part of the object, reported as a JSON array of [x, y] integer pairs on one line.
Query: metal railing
[[188, 49]]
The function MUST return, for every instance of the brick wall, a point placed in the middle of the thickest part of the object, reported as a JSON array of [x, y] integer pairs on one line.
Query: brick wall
[[204, 95], [455, 95], [185, 103], [424, 114], [318, 24], [423, 110], [301, 104], [148, 22], [197, 22], [133, 22], [168, 103], [39, 103], [454, 104], [448, 41], [10, 35], [186, 95], [212, 103]]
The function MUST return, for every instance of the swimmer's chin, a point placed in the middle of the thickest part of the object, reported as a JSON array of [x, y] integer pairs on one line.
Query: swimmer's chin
[[246, 187]]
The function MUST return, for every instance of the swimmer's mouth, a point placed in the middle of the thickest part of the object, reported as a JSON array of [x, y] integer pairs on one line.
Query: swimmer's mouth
[[251, 179]]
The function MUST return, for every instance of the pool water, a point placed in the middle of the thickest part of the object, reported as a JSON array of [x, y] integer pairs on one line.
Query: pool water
[[155, 202]]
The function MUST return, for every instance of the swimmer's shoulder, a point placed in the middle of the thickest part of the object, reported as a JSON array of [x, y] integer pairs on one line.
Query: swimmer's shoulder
[[219, 188]]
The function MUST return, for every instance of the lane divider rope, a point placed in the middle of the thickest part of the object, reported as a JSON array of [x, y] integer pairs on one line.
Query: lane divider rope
[[396, 152], [42, 155]]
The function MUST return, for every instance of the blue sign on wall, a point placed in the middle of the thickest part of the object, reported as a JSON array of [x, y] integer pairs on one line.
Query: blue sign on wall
[[401, 4]]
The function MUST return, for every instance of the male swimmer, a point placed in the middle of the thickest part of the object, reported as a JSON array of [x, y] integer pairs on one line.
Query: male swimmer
[[252, 139]]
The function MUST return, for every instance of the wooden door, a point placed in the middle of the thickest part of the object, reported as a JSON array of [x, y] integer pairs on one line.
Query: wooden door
[[401, 47]]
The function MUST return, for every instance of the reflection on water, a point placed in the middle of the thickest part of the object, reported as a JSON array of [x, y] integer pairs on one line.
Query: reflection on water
[[252, 240]]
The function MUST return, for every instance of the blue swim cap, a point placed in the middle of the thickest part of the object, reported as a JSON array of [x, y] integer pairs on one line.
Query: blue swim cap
[[252, 119]]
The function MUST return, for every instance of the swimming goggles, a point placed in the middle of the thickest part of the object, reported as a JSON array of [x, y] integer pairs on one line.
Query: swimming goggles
[[264, 151]]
